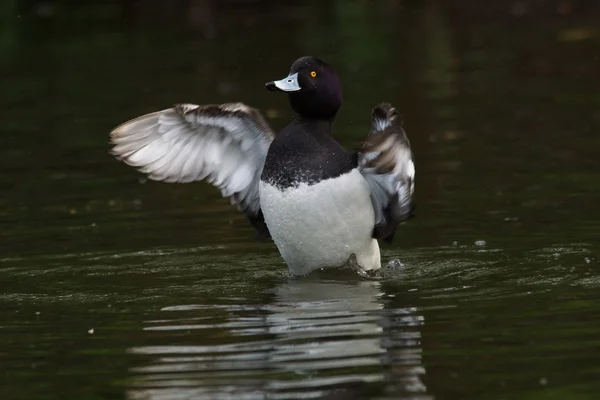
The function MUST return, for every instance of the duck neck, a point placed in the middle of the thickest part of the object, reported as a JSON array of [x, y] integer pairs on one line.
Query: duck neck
[[316, 125]]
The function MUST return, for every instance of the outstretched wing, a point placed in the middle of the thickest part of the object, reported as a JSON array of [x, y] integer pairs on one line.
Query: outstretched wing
[[386, 162], [225, 145]]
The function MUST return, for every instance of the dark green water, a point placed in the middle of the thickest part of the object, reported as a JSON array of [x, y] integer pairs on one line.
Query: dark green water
[[113, 287]]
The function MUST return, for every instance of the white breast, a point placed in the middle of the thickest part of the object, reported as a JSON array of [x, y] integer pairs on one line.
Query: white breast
[[321, 225]]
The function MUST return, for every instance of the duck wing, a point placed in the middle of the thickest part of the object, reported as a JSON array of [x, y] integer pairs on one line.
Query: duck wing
[[386, 162], [225, 145]]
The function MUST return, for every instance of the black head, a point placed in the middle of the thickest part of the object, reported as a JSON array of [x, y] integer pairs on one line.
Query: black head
[[313, 87]]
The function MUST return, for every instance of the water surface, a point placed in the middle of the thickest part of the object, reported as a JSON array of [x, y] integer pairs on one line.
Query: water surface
[[114, 286]]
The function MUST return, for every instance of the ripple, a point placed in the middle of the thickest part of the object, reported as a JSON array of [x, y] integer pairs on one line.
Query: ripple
[[315, 339]]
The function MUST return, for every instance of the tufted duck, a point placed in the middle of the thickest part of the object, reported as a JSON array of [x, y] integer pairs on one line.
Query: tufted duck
[[318, 202]]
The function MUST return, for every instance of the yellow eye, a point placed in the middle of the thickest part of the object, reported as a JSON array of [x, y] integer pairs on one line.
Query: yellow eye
[[313, 73]]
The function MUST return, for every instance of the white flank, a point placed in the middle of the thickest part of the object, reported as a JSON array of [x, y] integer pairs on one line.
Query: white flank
[[322, 225]]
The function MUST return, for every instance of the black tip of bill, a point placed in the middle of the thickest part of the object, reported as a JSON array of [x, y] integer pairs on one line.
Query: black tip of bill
[[271, 86]]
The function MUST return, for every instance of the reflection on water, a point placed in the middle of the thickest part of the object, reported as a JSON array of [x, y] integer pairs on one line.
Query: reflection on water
[[316, 339]]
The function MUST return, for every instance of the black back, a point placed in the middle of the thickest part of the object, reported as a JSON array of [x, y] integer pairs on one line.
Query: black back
[[305, 152]]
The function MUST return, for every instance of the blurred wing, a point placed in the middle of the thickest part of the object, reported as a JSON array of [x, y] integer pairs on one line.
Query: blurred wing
[[225, 145], [386, 162]]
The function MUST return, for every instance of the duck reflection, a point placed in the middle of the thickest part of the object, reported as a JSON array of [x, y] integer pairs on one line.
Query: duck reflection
[[316, 339]]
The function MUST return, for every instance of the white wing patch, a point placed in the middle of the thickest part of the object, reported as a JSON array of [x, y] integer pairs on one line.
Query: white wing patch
[[223, 144]]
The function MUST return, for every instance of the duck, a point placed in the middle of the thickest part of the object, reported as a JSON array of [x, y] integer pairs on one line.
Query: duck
[[319, 203]]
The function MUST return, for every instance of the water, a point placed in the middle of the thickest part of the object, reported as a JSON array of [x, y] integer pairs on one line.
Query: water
[[114, 287]]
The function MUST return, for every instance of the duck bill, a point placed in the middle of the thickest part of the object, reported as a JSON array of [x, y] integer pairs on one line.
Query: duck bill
[[288, 84]]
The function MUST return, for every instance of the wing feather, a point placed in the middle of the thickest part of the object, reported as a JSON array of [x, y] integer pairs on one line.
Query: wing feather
[[224, 144], [386, 162]]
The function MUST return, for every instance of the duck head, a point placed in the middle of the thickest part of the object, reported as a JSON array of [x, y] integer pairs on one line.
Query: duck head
[[313, 88]]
